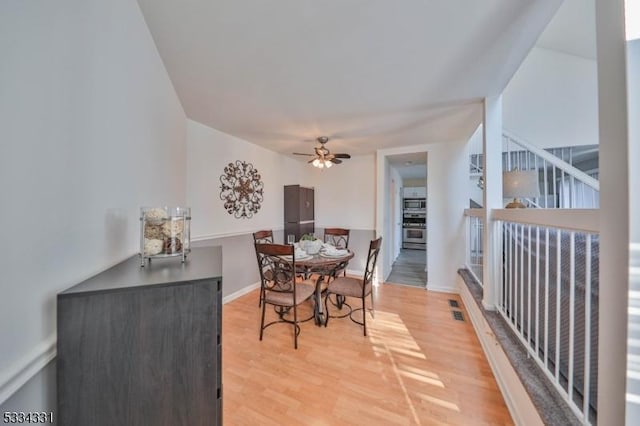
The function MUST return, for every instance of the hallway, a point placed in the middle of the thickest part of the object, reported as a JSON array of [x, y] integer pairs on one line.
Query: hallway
[[409, 269]]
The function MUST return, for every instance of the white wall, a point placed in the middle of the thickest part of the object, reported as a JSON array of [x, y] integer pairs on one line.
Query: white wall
[[90, 130], [552, 100], [345, 193], [633, 366], [344, 197], [633, 91], [398, 209], [209, 151], [383, 214], [614, 209], [448, 166]]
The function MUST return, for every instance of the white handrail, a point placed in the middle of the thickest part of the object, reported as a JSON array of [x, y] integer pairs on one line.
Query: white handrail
[[582, 220], [475, 212], [555, 161]]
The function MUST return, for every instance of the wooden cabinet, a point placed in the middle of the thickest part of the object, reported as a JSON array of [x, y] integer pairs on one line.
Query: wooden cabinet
[[141, 346], [299, 205], [415, 192], [306, 204]]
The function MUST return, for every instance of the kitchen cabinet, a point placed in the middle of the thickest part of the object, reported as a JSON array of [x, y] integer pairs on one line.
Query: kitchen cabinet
[[299, 206], [142, 346], [415, 192]]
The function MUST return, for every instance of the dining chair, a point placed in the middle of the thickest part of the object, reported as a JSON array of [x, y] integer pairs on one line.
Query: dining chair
[[263, 237], [282, 291], [355, 287], [338, 237]]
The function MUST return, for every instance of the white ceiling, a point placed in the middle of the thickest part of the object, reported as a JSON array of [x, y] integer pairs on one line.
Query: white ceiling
[[410, 166], [572, 30], [371, 74]]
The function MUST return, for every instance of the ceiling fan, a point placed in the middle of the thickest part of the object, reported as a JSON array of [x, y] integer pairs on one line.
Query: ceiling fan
[[323, 157]]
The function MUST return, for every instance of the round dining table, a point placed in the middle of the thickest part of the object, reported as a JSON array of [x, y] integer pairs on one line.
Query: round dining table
[[323, 265]]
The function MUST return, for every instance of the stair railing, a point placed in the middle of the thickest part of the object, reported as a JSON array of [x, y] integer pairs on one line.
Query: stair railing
[[563, 185]]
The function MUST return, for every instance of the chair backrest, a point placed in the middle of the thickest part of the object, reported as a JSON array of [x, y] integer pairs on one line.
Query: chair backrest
[[265, 236], [374, 249], [262, 237], [338, 237], [283, 270]]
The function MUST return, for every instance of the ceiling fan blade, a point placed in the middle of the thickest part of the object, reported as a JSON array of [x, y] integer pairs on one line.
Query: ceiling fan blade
[[300, 153], [311, 161], [342, 156], [336, 161]]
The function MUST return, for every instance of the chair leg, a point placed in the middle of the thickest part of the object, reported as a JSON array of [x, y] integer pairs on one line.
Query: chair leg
[[364, 314], [326, 309], [295, 326], [264, 307]]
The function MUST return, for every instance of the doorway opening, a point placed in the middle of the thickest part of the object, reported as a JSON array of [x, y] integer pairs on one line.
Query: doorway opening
[[409, 218]]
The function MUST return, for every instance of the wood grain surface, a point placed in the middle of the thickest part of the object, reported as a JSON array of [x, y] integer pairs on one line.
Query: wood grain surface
[[418, 366], [141, 356]]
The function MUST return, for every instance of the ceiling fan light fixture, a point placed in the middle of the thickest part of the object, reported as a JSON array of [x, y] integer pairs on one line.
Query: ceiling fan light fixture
[[323, 157]]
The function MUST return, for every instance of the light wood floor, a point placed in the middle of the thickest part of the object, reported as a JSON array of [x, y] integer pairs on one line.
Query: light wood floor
[[417, 367]]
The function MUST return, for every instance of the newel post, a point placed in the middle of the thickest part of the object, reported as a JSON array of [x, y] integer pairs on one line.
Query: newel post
[[492, 199]]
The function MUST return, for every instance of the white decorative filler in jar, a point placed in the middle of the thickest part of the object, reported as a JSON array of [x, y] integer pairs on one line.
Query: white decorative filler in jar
[[164, 232]]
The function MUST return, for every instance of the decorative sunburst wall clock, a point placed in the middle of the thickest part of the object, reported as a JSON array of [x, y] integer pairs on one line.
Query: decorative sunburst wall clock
[[241, 189]]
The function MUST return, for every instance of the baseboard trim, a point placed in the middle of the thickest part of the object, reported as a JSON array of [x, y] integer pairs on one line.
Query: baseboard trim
[[240, 293], [15, 377], [354, 273], [441, 289]]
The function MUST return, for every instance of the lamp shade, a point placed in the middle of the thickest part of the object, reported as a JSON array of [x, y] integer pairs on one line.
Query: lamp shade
[[520, 184]]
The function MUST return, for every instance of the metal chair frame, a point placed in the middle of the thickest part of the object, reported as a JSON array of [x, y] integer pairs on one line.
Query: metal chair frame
[[339, 237], [262, 237], [283, 281], [367, 282]]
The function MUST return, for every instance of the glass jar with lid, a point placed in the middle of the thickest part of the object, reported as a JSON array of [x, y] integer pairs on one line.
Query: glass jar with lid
[[164, 232]]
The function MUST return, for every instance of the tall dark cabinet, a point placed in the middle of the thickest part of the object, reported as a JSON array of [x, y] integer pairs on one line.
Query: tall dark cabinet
[[298, 211], [142, 346]]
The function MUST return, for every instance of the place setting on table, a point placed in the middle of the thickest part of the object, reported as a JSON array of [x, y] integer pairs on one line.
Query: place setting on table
[[313, 256], [332, 252], [311, 248]]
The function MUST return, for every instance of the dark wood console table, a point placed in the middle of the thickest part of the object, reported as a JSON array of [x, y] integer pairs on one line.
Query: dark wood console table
[[142, 346]]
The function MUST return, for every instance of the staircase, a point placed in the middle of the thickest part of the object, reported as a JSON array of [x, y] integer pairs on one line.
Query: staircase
[[568, 176]]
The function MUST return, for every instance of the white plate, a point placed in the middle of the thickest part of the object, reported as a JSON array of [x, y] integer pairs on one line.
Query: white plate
[[305, 257], [333, 256]]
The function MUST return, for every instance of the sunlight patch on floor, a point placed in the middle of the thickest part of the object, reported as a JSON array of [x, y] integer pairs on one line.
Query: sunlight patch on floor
[[390, 337], [421, 378], [438, 401]]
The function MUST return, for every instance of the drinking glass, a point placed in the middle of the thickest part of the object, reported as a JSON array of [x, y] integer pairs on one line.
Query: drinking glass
[[291, 239]]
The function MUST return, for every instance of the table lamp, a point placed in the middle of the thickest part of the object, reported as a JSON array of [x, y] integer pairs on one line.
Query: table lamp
[[518, 184]]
